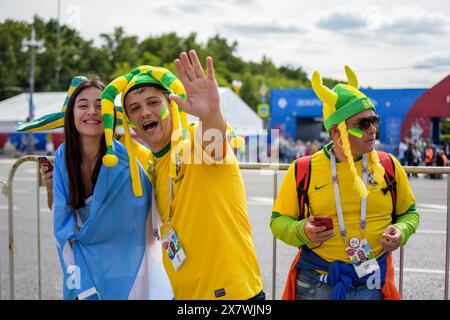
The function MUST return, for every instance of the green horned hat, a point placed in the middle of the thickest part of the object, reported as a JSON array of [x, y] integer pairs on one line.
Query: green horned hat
[[343, 102]]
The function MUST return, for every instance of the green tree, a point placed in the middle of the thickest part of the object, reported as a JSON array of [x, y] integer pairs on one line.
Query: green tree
[[119, 53]]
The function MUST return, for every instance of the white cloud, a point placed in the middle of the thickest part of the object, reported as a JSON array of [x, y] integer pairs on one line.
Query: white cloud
[[340, 19], [267, 28], [433, 60], [410, 21], [405, 25]]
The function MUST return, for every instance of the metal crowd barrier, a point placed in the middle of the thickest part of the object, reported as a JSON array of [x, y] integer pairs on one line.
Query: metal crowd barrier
[[427, 170], [3, 191], [7, 189], [11, 222]]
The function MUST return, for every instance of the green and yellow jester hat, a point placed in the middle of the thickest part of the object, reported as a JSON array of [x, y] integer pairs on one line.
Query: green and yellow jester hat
[[56, 120], [339, 104], [123, 84], [179, 141]]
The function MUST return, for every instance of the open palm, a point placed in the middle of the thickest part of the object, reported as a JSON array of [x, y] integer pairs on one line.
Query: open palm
[[202, 92]]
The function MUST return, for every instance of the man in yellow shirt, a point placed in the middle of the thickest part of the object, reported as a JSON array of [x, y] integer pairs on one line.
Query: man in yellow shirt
[[197, 183], [351, 258]]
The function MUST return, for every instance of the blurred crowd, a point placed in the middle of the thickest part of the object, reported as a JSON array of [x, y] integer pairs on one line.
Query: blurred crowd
[[423, 153], [290, 149], [409, 152]]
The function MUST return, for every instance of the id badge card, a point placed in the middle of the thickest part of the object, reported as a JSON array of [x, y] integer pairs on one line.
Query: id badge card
[[362, 257], [172, 246]]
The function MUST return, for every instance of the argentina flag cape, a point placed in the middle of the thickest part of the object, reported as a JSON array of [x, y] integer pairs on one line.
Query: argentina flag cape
[[108, 256]]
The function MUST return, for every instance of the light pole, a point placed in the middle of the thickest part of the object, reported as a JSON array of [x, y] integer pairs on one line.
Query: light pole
[[33, 46], [58, 43]]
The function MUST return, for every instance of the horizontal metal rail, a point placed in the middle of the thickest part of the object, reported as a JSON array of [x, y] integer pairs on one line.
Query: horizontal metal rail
[[7, 189]]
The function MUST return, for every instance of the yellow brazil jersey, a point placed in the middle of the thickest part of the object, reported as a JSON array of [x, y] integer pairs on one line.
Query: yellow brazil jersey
[[210, 218], [321, 197]]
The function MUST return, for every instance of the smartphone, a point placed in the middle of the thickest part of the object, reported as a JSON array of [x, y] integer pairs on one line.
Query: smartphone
[[323, 221], [44, 160]]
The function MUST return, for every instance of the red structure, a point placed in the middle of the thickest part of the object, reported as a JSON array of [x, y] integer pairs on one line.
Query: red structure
[[432, 104]]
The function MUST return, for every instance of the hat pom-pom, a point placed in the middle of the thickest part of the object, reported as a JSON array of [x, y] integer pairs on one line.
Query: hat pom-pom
[[237, 142], [110, 160]]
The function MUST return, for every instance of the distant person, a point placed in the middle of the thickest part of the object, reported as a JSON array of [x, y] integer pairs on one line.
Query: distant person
[[49, 146], [402, 147], [429, 157], [9, 149], [441, 161]]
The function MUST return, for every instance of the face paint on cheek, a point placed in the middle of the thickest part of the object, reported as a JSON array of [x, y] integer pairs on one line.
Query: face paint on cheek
[[164, 113], [356, 132]]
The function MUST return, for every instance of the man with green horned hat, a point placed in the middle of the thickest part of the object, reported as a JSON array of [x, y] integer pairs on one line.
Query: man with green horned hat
[[349, 187]]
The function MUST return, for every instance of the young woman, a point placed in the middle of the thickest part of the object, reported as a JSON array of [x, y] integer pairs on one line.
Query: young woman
[[100, 225]]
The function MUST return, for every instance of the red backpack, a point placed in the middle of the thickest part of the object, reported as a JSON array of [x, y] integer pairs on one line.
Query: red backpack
[[303, 177]]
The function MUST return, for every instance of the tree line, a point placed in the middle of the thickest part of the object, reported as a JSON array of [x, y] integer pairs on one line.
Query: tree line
[[118, 53]]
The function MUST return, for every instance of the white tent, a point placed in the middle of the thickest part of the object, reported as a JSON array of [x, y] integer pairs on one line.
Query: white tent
[[241, 117], [16, 109]]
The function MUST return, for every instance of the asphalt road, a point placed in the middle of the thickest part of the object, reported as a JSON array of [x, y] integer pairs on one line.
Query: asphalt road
[[424, 254]]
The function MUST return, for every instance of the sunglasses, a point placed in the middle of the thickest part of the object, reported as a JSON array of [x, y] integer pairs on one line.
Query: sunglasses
[[364, 123]]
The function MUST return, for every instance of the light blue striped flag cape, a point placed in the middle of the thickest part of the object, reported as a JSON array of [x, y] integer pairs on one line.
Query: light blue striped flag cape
[[102, 260]]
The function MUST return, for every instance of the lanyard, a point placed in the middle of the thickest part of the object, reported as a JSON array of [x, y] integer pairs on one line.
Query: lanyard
[[156, 217], [337, 197]]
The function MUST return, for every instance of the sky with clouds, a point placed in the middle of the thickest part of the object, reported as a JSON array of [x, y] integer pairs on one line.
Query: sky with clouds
[[390, 44]]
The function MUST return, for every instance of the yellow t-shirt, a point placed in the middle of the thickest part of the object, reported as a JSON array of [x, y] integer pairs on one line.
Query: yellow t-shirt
[[210, 218], [322, 203]]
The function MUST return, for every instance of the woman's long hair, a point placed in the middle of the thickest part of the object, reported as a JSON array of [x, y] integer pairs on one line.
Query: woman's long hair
[[72, 148]]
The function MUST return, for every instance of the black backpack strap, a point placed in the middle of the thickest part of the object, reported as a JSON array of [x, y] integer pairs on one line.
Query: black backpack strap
[[302, 179], [389, 176]]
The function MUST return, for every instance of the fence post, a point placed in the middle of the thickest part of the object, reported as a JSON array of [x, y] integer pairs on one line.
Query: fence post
[[447, 240], [402, 260], [11, 222], [274, 244], [4, 191], [38, 212], [11, 230]]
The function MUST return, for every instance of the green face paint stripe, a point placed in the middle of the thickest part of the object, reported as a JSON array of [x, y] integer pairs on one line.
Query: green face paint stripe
[[183, 96], [356, 132], [108, 120], [164, 113]]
